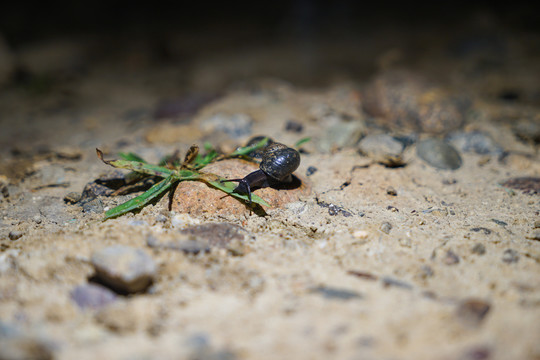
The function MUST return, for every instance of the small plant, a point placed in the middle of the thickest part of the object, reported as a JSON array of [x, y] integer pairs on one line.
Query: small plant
[[172, 171]]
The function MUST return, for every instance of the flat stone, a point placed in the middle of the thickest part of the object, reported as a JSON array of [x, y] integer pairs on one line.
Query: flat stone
[[472, 311], [198, 198], [202, 238], [92, 296], [403, 100], [438, 154], [476, 142], [382, 148], [124, 269]]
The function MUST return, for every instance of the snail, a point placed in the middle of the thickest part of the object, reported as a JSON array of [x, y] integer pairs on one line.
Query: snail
[[277, 165]]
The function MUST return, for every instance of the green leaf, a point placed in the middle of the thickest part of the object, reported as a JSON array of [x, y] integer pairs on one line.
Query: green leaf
[[131, 157], [202, 161], [245, 150], [302, 142], [228, 187], [141, 200], [137, 166]]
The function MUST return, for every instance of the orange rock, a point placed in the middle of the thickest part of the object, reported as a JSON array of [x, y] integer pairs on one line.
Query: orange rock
[[198, 198]]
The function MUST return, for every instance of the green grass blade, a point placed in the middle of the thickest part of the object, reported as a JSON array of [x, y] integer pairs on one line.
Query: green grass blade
[[137, 166], [228, 188], [141, 200], [202, 161], [131, 157], [302, 142], [245, 150]]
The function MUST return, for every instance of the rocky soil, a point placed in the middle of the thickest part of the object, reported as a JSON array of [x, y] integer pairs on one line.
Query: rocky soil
[[414, 232]]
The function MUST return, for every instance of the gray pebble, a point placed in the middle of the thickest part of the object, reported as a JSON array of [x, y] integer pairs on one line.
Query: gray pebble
[[510, 256], [479, 249], [160, 218], [451, 258], [93, 206], [386, 227], [383, 149], [72, 197], [235, 125], [388, 282], [340, 135], [335, 293], [499, 222], [311, 170], [475, 141], [202, 238], [438, 154], [15, 235], [124, 269], [92, 296]]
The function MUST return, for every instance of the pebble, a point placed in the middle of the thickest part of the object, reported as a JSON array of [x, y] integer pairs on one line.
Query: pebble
[[388, 282], [311, 170], [335, 293], [93, 206], [510, 256], [72, 197], [479, 249], [484, 230], [294, 126], [403, 100], [472, 311], [124, 269], [383, 149], [4, 190], [391, 191], [438, 154], [203, 238], [236, 125], [363, 275], [476, 142], [499, 222], [360, 234], [450, 258], [340, 135], [120, 317], [15, 235], [334, 210], [198, 199], [386, 227], [92, 296]]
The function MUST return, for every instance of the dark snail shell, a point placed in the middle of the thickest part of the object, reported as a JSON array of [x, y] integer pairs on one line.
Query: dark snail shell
[[279, 161], [259, 153]]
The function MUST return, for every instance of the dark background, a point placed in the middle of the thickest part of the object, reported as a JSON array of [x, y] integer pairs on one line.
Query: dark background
[[23, 21]]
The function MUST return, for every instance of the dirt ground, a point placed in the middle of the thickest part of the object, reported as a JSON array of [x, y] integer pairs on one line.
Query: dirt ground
[[366, 261]]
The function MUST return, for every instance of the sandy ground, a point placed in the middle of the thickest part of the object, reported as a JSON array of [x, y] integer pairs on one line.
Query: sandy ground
[[373, 262]]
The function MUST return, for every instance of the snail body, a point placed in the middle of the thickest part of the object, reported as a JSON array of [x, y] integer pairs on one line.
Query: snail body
[[277, 165]]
